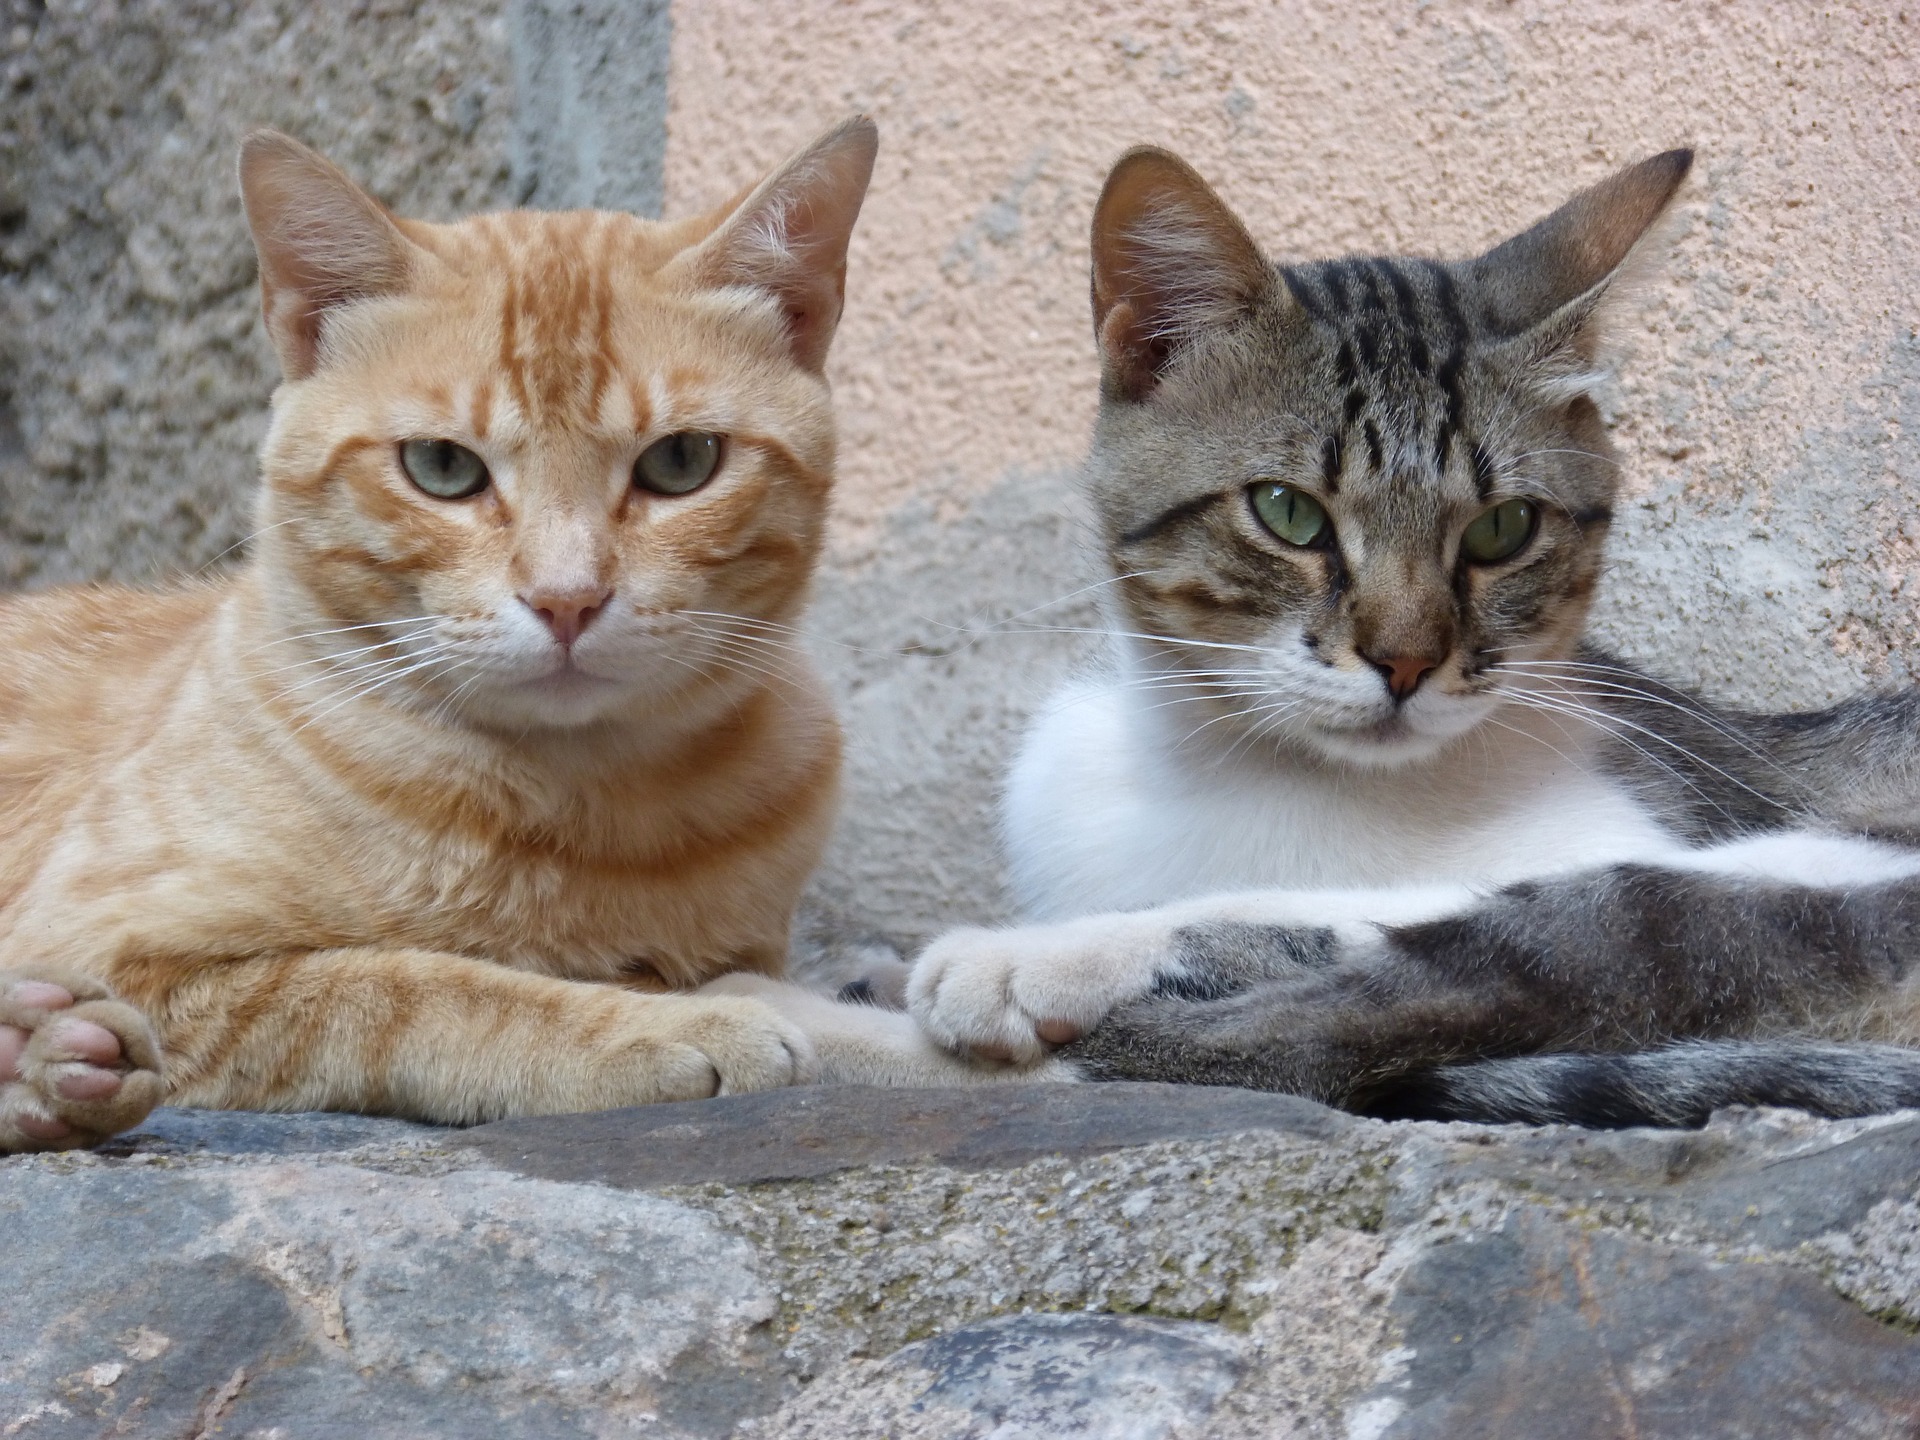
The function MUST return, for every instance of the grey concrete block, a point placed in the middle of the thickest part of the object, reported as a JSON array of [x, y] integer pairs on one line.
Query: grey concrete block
[[590, 125]]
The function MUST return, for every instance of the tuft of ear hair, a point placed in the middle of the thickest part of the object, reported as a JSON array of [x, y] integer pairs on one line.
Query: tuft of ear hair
[[1169, 261], [1570, 257], [789, 236], [323, 242]]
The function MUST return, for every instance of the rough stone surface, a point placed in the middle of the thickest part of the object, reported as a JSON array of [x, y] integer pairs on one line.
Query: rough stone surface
[[590, 89], [792, 1135], [1282, 1271]]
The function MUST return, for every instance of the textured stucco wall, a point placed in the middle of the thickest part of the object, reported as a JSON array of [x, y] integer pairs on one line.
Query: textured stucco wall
[[1769, 411], [1765, 410]]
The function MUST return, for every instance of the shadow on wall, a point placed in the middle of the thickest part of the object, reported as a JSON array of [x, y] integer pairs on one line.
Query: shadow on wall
[[939, 650], [1783, 601]]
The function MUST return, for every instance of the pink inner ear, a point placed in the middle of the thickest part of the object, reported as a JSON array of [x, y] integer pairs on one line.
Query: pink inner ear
[[1136, 356], [322, 241]]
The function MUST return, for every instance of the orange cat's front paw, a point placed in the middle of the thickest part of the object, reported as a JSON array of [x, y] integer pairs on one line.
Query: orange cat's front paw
[[713, 1043], [76, 1065]]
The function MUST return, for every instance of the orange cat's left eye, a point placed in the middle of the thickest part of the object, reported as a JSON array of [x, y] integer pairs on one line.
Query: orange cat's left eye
[[443, 469], [678, 464]]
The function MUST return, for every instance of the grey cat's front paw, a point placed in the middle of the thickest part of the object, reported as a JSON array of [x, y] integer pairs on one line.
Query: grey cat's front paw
[[1016, 994], [76, 1065]]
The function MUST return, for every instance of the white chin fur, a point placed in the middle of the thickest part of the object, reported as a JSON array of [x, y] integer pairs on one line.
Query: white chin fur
[[1421, 730]]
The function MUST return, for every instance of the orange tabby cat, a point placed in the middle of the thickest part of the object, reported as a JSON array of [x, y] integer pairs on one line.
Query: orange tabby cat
[[491, 711]]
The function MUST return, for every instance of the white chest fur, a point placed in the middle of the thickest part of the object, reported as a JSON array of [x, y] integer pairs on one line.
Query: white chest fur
[[1105, 810]]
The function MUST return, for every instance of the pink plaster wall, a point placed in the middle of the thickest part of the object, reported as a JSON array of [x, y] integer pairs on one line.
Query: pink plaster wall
[[1331, 126]]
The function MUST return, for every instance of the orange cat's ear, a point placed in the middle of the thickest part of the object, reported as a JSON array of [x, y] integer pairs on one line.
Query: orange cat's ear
[[789, 236], [1169, 261], [323, 242]]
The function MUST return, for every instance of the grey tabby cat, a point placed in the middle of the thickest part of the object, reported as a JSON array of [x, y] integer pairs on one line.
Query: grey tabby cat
[[1359, 815]]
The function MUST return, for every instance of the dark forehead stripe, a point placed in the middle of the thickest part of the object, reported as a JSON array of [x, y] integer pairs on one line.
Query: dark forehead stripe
[[1300, 286], [1455, 358], [1330, 463], [1482, 470], [1410, 320]]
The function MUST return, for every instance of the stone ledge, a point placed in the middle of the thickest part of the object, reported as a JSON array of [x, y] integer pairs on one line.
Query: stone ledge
[[1034, 1261]]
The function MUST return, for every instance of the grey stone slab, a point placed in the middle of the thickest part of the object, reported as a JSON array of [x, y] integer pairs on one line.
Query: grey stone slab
[[1030, 1377], [590, 102], [811, 1131], [173, 1131], [1760, 1179], [1543, 1328], [337, 1301], [1779, 1201]]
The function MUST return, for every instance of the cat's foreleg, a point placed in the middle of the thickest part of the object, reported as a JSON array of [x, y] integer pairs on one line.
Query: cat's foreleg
[[441, 1037], [76, 1064], [1614, 961], [859, 1044], [1016, 993]]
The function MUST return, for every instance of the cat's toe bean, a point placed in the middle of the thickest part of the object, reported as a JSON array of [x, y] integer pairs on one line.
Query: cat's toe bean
[[35, 1127], [38, 995], [1058, 1032], [83, 1040], [84, 1082]]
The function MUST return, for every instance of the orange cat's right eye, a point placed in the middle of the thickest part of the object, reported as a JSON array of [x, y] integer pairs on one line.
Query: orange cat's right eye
[[678, 464], [443, 469]]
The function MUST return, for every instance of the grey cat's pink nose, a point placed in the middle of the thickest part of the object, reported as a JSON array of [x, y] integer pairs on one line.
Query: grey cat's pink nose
[[1403, 672], [567, 614]]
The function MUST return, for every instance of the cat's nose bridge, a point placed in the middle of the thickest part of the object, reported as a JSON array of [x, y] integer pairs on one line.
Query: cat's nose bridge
[[564, 560], [1403, 620]]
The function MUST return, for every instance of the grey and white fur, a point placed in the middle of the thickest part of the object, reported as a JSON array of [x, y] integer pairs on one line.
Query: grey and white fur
[[1358, 814]]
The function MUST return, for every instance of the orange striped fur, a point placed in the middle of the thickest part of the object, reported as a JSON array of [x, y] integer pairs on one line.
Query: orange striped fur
[[351, 827]]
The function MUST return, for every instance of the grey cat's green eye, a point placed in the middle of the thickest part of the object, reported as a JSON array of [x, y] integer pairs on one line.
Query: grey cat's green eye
[[1295, 516], [678, 464], [1499, 532], [443, 469]]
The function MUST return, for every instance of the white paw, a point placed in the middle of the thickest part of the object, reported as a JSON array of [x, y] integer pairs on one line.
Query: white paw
[[1014, 994], [76, 1065]]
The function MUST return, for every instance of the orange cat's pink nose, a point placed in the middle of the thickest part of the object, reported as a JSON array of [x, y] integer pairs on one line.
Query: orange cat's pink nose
[[567, 614]]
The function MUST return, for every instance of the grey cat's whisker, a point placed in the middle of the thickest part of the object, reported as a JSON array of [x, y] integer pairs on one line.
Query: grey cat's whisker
[[975, 631], [1602, 687], [1139, 635], [1284, 705], [1602, 717], [1071, 595], [1193, 699], [1584, 454]]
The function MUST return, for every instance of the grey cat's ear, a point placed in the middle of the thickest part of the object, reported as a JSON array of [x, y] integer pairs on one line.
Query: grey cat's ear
[[323, 242], [1553, 276], [789, 235], [1169, 260]]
